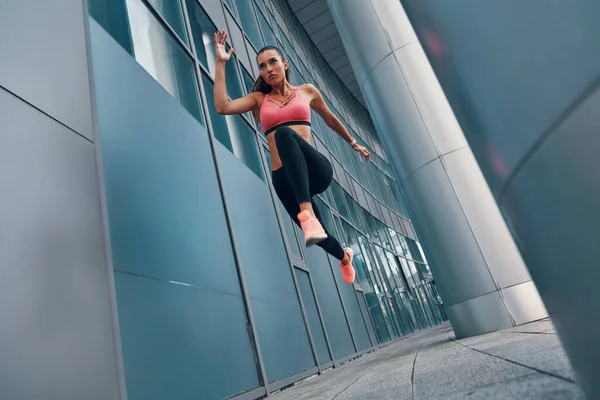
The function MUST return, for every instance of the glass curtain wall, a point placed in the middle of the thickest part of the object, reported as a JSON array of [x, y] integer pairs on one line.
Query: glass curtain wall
[[173, 42]]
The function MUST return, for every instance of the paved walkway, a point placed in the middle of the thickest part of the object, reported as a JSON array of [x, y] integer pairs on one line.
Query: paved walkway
[[526, 362]]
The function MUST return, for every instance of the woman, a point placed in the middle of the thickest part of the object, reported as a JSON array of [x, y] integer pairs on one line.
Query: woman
[[299, 171]]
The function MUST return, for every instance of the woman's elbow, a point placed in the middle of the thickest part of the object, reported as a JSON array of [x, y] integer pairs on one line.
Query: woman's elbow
[[221, 109]]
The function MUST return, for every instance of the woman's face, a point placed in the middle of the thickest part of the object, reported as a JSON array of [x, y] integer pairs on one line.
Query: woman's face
[[271, 67]]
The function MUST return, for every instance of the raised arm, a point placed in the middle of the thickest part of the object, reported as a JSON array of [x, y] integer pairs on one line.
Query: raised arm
[[222, 102], [318, 104]]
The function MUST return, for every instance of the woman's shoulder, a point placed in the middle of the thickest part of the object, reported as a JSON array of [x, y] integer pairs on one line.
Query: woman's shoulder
[[258, 97], [308, 88]]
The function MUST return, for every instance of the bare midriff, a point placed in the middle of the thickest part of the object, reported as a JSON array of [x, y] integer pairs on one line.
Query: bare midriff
[[302, 130]]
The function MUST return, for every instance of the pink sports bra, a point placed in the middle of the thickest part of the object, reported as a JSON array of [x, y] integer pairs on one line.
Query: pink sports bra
[[294, 110]]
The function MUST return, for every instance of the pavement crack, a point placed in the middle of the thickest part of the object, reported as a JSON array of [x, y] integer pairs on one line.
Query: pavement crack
[[412, 375], [541, 371], [356, 380]]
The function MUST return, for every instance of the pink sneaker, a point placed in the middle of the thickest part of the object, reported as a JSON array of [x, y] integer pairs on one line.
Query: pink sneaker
[[312, 228], [348, 272]]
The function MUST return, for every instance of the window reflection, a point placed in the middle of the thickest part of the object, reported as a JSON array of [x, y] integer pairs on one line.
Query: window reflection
[[163, 58], [203, 31], [249, 23], [171, 12], [243, 143], [267, 31]]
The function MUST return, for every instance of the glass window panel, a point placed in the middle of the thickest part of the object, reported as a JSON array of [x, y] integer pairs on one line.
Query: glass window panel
[[230, 4], [269, 35], [312, 315], [163, 57], [243, 144], [171, 12], [352, 209], [293, 73], [249, 23], [248, 80], [339, 199], [326, 218], [218, 122], [289, 50], [232, 77], [415, 251], [112, 16], [203, 31]]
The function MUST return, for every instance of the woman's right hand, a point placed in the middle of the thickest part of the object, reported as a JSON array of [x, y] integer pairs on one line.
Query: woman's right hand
[[220, 41]]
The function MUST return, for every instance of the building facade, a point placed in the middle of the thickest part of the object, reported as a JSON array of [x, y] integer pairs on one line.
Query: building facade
[[158, 262]]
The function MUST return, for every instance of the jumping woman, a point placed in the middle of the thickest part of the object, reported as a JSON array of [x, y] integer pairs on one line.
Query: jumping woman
[[299, 171]]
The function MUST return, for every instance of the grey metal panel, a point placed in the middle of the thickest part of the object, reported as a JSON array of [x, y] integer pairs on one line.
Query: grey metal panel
[[359, 13], [56, 336], [310, 11], [297, 4], [497, 246], [325, 31], [479, 315], [330, 44], [524, 303], [441, 122], [333, 55], [390, 13], [46, 55], [389, 117], [346, 70], [552, 205], [456, 261]]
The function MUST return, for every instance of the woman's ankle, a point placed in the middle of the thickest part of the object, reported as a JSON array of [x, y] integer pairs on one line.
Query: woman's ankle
[[346, 260], [307, 206]]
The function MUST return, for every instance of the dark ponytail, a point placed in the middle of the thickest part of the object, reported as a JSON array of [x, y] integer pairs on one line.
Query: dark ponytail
[[260, 85]]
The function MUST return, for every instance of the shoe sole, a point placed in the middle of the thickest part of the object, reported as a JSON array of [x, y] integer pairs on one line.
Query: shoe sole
[[311, 241]]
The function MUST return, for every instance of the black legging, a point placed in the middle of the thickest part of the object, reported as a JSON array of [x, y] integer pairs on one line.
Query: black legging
[[305, 173]]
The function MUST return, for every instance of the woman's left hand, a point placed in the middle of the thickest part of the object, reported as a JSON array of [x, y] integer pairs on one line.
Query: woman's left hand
[[362, 150]]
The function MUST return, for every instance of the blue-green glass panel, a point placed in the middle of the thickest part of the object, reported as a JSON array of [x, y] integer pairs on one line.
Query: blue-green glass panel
[[310, 306], [218, 121], [249, 22], [171, 12], [181, 342], [267, 273], [161, 184], [330, 303]]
